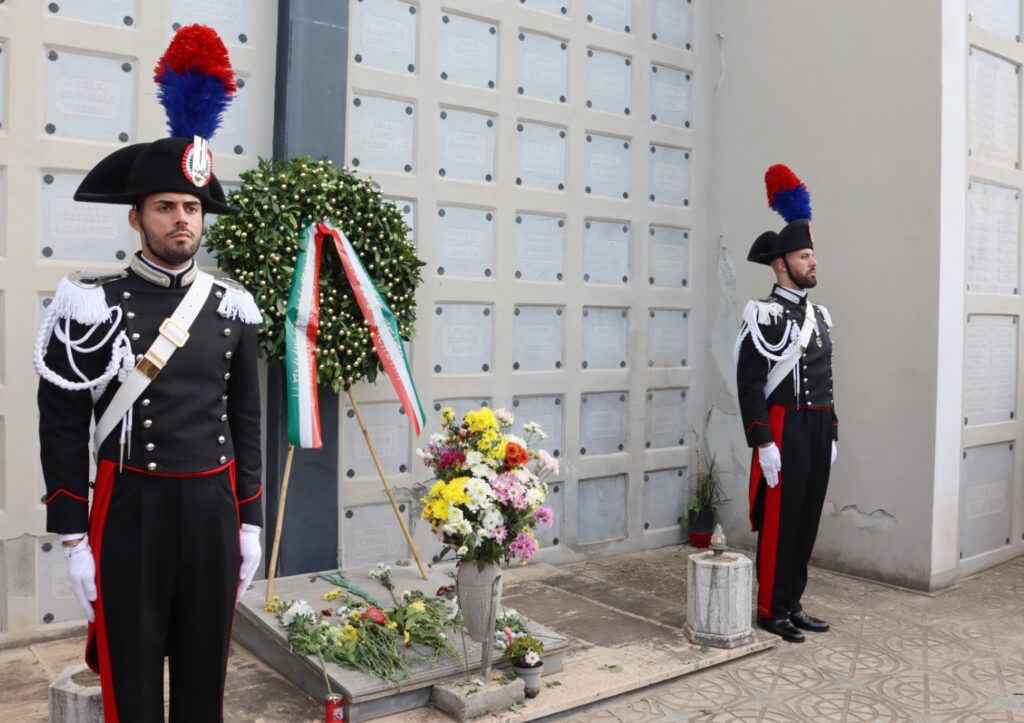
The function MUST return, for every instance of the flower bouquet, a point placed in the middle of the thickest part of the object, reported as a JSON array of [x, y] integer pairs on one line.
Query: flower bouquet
[[490, 488], [524, 652]]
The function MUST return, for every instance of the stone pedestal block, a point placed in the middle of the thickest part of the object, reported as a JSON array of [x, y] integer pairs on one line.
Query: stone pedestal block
[[465, 700], [718, 600], [75, 696]]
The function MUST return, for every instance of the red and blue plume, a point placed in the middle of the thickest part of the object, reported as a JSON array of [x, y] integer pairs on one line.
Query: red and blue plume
[[787, 194], [195, 82]]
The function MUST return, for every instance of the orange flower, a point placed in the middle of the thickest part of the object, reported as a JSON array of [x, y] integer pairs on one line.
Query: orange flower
[[515, 455]]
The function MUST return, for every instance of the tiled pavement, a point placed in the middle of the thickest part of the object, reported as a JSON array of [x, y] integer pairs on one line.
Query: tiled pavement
[[891, 656]]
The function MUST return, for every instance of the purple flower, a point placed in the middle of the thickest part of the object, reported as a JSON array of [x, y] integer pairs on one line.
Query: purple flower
[[524, 546], [452, 458], [544, 516]]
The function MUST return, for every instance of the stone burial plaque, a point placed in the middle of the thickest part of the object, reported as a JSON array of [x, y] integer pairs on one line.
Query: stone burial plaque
[[555, 7], [993, 109], [465, 242], [990, 369], [669, 177], [605, 334], [609, 81], [668, 332], [3, 205], [384, 35], [4, 82], [551, 536], [543, 67], [606, 166], [465, 146], [89, 97], [56, 602], [406, 207], [668, 256], [381, 135], [538, 335], [665, 422], [993, 239], [986, 498], [540, 247], [469, 51], [232, 137], [459, 405], [604, 427], [999, 16], [548, 412], [108, 12], [664, 498], [672, 23], [371, 534], [76, 231], [605, 252], [601, 514], [462, 338], [540, 156], [232, 19], [389, 429], [611, 14], [671, 96]]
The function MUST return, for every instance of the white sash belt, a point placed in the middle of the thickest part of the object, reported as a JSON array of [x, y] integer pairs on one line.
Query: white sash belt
[[784, 367]]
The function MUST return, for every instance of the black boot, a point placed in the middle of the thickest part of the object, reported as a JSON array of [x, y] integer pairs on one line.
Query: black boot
[[806, 622], [783, 628]]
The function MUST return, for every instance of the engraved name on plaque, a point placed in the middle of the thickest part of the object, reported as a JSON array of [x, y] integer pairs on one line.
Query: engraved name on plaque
[[606, 166], [671, 22], [79, 231], [89, 97], [465, 242], [671, 96], [465, 147], [381, 136], [990, 369], [389, 430], [605, 338], [540, 247], [993, 109], [231, 18], [603, 423], [605, 252], [540, 157], [543, 67], [667, 331], [611, 14], [665, 423], [385, 35], [609, 83], [668, 256], [993, 239], [469, 51], [669, 175], [538, 333], [462, 338]]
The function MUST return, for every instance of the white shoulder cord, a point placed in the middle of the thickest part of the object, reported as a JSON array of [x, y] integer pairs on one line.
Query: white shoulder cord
[[120, 352]]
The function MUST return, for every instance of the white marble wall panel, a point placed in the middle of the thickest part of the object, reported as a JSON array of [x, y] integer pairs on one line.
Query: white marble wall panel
[[555, 7], [89, 97], [668, 332], [56, 603], [80, 231], [604, 423], [538, 337], [4, 83], [462, 338], [671, 96], [665, 421], [605, 252], [669, 176], [384, 34], [232, 19], [547, 411], [605, 332], [672, 23], [551, 536], [993, 109], [1000, 16], [465, 242], [609, 81], [540, 156], [469, 51], [406, 207], [3, 210], [986, 498], [381, 134], [611, 14], [668, 256], [664, 498], [993, 239], [371, 534], [606, 166], [601, 515], [233, 135], [465, 145], [990, 368], [109, 12], [543, 67], [540, 247], [389, 429]]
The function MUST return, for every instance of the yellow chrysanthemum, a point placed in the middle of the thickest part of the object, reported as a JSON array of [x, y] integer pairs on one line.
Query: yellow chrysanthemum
[[447, 415], [391, 625], [350, 633], [417, 606], [481, 420], [437, 509], [332, 595], [455, 492]]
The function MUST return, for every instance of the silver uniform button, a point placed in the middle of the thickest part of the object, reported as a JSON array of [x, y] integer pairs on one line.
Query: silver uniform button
[[227, 375], [151, 466], [126, 295], [219, 294], [130, 314], [223, 314], [223, 417], [135, 336], [223, 460], [228, 354], [148, 423], [221, 439], [145, 402], [223, 397], [150, 447], [227, 332]]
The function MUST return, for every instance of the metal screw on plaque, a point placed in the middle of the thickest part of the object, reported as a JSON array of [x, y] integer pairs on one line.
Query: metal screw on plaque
[[243, 38]]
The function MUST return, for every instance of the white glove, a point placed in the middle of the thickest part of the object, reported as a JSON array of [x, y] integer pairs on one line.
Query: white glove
[[835, 453], [251, 552], [771, 463], [81, 574]]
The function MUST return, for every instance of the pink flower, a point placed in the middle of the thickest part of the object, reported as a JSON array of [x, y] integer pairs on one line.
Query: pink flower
[[508, 634], [524, 546], [510, 491], [531, 659], [548, 462], [452, 458], [500, 533], [544, 516], [375, 615]]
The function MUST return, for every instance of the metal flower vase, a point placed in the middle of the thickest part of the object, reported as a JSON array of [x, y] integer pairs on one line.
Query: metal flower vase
[[479, 591]]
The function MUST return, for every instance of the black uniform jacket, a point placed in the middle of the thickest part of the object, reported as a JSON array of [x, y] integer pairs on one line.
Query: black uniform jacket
[[815, 370], [202, 411]]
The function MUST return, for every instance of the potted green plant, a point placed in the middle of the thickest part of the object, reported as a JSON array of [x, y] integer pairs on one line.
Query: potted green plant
[[524, 652], [706, 495]]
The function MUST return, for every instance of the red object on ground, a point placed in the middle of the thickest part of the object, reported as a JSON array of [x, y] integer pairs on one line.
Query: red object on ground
[[334, 708], [700, 539]]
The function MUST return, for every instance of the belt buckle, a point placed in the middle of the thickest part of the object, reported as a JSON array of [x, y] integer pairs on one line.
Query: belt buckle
[[150, 365], [174, 332]]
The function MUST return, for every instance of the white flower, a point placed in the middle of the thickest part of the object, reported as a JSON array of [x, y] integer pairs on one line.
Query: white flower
[[523, 475], [534, 496], [406, 594], [421, 454], [517, 440], [437, 439], [455, 515], [534, 428], [483, 471], [473, 458], [299, 608], [462, 550], [504, 416]]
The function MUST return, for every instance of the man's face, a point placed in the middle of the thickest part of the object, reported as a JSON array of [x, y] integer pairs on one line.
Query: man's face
[[171, 225], [802, 268]]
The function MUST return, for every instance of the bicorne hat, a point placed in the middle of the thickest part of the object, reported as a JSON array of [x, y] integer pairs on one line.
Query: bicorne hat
[[788, 195], [196, 84]]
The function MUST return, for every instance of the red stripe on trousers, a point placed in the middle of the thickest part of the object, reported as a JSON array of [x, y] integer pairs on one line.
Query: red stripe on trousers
[[768, 548], [98, 631]]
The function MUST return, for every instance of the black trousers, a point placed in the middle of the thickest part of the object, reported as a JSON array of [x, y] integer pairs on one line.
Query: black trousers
[[167, 559], [787, 515]]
